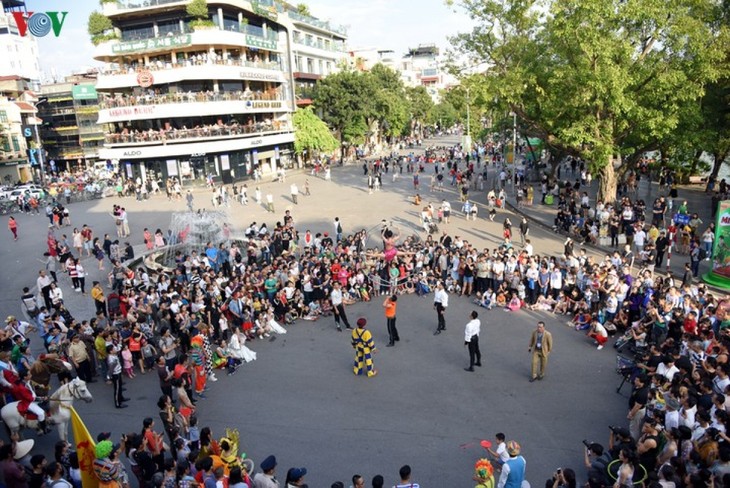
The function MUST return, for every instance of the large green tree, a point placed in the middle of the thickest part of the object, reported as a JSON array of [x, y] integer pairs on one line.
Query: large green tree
[[345, 100], [312, 134], [603, 79], [391, 109], [421, 105]]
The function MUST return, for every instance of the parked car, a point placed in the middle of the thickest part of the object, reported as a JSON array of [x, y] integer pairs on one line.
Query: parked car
[[13, 195]]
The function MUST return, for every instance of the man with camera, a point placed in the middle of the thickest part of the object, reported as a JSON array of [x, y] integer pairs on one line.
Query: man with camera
[[620, 438], [597, 461]]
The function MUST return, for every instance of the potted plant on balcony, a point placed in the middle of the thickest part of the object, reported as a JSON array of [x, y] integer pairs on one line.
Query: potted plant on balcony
[[100, 28], [198, 9]]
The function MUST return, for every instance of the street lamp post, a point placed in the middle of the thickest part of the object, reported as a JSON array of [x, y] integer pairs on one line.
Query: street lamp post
[[38, 141], [514, 137]]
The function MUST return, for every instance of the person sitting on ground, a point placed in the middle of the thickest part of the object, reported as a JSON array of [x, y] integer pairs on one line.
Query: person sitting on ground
[[581, 320]]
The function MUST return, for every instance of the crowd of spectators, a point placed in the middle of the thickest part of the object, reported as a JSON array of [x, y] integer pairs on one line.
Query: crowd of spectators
[[199, 316]]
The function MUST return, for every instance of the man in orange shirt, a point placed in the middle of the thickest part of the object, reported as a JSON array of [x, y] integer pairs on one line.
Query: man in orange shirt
[[390, 307]]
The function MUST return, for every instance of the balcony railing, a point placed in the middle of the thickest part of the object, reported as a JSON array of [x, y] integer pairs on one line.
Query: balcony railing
[[158, 65], [318, 23], [207, 132], [251, 30], [187, 97], [332, 46]]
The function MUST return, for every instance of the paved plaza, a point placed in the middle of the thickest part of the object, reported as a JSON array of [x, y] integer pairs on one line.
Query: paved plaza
[[299, 399]]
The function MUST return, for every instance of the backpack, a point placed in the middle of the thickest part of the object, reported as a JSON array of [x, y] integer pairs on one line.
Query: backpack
[[703, 254]]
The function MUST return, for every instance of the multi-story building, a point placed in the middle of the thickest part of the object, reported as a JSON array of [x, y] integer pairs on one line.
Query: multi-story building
[[71, 136], [363, 59], [19, 153], [424, 66], [18, 53], [420, 66], [19, 76], [187, 101], [318, 49]]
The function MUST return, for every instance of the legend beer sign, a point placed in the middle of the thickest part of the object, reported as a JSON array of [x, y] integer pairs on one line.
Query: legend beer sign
[[39, 24]]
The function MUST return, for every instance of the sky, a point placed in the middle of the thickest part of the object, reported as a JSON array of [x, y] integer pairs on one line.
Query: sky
[[381, 24]]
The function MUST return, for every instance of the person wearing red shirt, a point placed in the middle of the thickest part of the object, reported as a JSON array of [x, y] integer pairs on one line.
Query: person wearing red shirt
[[23, 392], [690, 323]]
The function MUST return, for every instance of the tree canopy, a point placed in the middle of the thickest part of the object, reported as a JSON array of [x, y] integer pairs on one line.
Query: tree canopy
[[356, 103], [606, 80], [312, 134]]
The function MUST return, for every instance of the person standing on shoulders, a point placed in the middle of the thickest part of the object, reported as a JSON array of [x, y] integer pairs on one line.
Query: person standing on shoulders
[[390, 309], [440, 302], [513, 470], [541, 343], [471, 340]]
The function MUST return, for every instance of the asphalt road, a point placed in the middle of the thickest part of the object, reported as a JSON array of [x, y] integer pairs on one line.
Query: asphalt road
[[300, 400]]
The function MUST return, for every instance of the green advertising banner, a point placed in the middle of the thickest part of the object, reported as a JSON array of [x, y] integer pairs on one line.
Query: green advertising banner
[[720, 274], [84, 92]]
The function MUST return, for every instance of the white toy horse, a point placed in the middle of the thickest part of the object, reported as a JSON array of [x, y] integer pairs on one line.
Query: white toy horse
[[60, 414]]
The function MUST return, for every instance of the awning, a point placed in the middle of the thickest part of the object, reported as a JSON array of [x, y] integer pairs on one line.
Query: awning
[[26, 108]]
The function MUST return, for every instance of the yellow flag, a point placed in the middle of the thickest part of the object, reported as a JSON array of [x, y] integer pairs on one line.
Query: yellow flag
[[85, 449]]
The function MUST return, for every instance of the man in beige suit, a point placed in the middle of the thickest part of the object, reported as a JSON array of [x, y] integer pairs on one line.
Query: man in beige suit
[[541, 343]]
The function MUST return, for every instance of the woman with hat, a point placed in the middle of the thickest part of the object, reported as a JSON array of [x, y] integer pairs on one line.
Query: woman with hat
[[362, 342], [513, 470]]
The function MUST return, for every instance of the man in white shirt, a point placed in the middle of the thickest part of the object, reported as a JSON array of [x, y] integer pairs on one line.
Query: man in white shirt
[[639, 239], [471, 340], [294, 190], [43, 283], [338, 307], [440, 302], [667, 368]]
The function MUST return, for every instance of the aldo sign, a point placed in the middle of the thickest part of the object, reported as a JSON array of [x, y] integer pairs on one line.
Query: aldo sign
[[39, 24]]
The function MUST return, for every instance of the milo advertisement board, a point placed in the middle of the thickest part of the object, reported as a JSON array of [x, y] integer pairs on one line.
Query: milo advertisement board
[[720, 274]]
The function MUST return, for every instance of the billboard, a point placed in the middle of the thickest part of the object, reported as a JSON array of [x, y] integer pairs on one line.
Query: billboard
[[721, 246], [83, 92]]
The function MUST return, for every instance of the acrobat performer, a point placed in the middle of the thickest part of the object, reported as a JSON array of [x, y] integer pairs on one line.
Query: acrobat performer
[[390, 251]]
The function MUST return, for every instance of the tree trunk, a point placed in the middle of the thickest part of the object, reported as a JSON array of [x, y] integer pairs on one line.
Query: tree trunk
[[695, 162], [719, 161], [342, 148], [607, 182]]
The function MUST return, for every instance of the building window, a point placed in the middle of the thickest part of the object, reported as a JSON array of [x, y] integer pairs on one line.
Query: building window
[[16, 144], [3, 117], [321, 67]]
